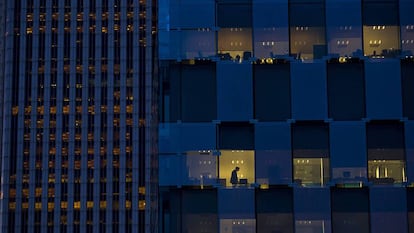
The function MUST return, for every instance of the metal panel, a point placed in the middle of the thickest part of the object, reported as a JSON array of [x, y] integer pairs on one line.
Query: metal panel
[[383, 89], [309, 97], [234, 92]]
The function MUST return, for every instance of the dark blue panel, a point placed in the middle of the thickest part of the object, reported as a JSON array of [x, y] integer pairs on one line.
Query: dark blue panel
[[343, 12], [310, 135], [309, 97], [199, 201], [388, 209], [274, 200], [198, 96], [272, 136], [407, 75], [342, 135], [234, 14], [270, 13], [385, 135], [236, 203], [168, 136], [170, 164], [198, 136], [317, 209], [406, 12], [236, 136], [388, 199], [409, 150], [273, 166], [272, 92], [410, 199], [383, 89], [307, 13], [234, 92], [192, 14], [350, 200], [384, 12], [346, 91]]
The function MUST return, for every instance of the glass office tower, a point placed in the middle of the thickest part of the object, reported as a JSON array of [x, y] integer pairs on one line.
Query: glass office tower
[[78, 134], [311, 99]]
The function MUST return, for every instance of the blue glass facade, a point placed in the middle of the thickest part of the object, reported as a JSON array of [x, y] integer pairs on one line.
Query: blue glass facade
[[311, 99]]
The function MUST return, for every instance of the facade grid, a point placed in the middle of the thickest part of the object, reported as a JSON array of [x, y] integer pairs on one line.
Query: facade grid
[[310, 99]]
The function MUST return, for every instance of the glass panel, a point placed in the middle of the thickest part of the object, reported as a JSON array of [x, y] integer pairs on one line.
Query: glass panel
[[386, 171], [311, 226], [229, 160], [381, 28], [350, 210], [346, 91], [201, 168], [272, 82], [235, 44], [199, 216], [386, 152], [344, 29], [237, 225], [381, 41], [307, 29], [311, 171], [407, 75], [271, 30], [407, 27], [274, 209]]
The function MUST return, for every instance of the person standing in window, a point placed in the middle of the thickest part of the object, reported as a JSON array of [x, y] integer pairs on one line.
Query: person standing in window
[[234, 180]]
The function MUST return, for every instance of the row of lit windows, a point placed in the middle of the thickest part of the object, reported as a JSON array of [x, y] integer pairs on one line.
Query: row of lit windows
[[77, 205]]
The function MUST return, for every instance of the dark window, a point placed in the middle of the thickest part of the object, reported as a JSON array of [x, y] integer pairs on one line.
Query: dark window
[[384, 12], [407, 75], [189, 93], [350, 210], [274, 209], [307, 29], [238, 135], [234, 13], [272, 92], [346, 91]]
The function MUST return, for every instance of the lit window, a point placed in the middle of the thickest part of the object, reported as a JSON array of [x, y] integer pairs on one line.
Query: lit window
[[229, 160], [386, 154], [310, 153]]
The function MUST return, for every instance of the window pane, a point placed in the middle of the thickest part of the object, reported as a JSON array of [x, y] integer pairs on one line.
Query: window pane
[[407, 26], [307, 29], [198, 92], [234, 13], [236, 136], [271, 30], [350, 210], [386, 152], [407, 75], [274, 209], [381, 28], [346, 91], [244, 160], [344, 31], [201, 168], [310, 143], [199, 216], [272, 92]]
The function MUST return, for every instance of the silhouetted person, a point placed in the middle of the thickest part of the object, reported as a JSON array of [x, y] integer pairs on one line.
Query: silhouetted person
[[234, 180]]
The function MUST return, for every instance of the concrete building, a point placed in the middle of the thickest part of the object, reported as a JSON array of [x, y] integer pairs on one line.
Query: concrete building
[[78, 144]]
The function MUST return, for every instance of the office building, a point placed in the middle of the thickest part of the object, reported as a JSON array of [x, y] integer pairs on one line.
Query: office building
[[311, 99], [78, 144]]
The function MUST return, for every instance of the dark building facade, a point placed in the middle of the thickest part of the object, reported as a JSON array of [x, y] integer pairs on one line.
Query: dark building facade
[[311, 99], [78, 138]]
